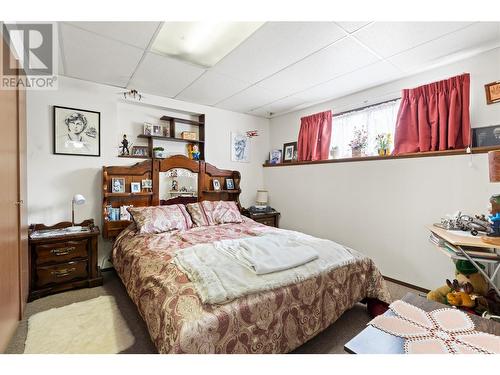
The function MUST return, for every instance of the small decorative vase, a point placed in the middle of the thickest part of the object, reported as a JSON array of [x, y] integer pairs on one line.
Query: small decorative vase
[[356, 152], [381, 152]]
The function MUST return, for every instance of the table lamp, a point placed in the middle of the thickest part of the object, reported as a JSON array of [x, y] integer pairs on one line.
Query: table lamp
[[78, 199], [262, 199]]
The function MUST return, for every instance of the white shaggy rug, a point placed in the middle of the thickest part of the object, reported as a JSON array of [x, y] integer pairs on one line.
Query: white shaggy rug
[[95, 326]]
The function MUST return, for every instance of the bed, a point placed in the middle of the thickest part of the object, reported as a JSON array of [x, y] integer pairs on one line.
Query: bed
[[273, 321]]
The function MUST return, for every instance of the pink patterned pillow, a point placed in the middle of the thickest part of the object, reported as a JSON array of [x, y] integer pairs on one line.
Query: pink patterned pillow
[[159, 219], [198, 214], [214, 213]]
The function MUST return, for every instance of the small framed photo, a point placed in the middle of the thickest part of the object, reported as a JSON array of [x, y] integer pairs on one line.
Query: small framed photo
[[275, 157], [118, 185], [135, 187], [289, 150], [76, 131], [147, 184], [486, 136], [157, 130], [140, 151], [166, 131], [229, 184], [124, 214], [492, 92], [216, 184], [148, 129]]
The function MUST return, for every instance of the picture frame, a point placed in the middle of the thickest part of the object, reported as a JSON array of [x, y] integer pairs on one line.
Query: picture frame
[[492, 92], [148, 129], [486, 136], [140, 151], [275, 157], [118, 185], [216, 184], [124, 214], [240, 147], [157, 130], [76, 131], [147, 184], [229, 184], [135, 187], [289, 150]]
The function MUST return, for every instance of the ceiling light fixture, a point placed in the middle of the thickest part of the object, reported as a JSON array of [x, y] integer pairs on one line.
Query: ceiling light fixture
[[202, 43]]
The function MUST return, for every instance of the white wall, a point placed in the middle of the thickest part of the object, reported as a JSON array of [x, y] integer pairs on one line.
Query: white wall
[[382, 207], [54, 179]]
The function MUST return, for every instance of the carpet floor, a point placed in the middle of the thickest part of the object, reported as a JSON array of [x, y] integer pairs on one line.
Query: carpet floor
[[331, 340]]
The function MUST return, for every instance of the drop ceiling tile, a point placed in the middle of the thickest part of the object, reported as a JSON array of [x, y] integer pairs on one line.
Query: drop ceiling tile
[[390, 38], [251, 98], [138, 34], [279, 106], [370, 76], [351, 27], [342, 57], [95, 58], [211, 88], [161, 75], [275, 46], [451, 47]]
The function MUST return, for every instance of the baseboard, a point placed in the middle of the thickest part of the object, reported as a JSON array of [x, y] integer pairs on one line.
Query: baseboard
[[408, 285]]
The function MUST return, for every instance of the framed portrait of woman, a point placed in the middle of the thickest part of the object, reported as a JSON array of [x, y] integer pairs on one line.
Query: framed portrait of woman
[[77, 131]]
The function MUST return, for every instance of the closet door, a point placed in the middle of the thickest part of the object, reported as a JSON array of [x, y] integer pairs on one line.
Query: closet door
[[22, 196], [9, 218]]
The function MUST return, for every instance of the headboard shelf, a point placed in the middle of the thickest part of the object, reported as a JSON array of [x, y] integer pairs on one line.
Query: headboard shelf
[[121, 195], [151, 169], [236, 191]]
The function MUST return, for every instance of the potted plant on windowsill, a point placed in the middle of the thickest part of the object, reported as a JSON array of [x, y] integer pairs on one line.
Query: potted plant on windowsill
[[358, 142], [383, 142], [159, 153]]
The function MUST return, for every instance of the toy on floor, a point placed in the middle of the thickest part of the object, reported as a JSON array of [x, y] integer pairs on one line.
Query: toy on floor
[[467, 290]]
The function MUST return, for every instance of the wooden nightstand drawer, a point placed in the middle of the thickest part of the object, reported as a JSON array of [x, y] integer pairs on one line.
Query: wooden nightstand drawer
[[61, 251], [61, 273], [269, 218], [270, 221]]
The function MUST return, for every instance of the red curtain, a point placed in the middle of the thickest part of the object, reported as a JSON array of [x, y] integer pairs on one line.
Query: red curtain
[[434, 117], [314, 136]]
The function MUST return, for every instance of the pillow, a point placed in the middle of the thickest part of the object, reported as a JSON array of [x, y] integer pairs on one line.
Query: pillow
[[159, 219], [214, 213]]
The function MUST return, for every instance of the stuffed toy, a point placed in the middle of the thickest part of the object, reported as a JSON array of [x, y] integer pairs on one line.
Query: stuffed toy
[[467, 290]]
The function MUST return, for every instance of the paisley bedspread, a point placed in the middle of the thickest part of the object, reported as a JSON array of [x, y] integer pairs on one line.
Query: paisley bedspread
[[275, 321]]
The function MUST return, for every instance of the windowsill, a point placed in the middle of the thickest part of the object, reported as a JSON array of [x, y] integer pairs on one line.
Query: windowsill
[[475, 150]]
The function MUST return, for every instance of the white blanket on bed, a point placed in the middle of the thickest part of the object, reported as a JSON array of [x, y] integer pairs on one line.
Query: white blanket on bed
[[267, 254], [218, 278]]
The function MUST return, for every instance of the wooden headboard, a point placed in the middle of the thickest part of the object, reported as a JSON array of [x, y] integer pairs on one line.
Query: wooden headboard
[[150, 169]]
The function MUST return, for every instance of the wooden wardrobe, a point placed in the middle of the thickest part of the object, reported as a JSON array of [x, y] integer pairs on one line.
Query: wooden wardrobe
[[13, 218]]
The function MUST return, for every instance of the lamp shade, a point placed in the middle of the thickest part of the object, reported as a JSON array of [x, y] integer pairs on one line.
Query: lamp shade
[[494, 165], [78, 199], [262, 197]]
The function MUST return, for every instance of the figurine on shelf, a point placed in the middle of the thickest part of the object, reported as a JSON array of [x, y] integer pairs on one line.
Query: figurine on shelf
[[175, 185], [193, 151], [124, 146], [495, 225]]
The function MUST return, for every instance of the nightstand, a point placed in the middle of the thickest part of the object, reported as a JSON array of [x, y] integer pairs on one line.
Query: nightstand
[[269, 218], [62, 260]]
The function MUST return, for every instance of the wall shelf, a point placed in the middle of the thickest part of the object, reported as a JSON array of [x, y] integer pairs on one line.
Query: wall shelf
[[134, 156], [181, 120], [172, 139]]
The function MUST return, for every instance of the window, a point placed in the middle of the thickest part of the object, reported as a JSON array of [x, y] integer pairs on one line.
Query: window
[[376, 119]]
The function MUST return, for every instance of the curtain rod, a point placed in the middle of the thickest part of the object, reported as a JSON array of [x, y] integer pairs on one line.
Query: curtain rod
[[365, 107]]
